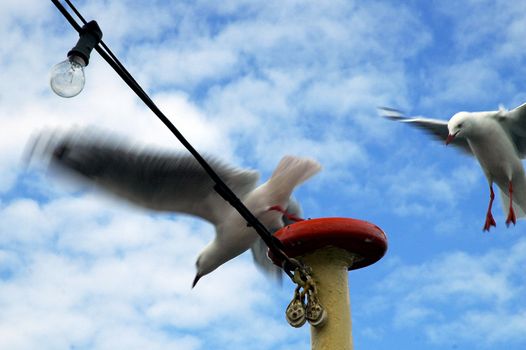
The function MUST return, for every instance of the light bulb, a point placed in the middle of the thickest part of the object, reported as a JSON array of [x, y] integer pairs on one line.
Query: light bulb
[[67, 77]]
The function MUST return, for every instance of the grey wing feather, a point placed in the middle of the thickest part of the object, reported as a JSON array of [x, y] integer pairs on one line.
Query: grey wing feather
[[515, 124], [294, 209], [259, 253], [164, 181], [259, 248], [435, 127]]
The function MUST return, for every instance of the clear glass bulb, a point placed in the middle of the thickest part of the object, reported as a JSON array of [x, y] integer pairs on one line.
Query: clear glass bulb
[[67, 77]]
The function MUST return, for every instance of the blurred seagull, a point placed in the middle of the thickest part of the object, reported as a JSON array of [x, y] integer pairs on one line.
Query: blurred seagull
[[497, 139], [176, 182]]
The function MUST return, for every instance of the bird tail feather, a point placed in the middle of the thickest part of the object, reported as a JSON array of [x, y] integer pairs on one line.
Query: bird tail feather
[[292, 171]]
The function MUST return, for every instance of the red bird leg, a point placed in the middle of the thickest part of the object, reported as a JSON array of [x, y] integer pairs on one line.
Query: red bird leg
[[489, 217], [511, 214], [285, 213]]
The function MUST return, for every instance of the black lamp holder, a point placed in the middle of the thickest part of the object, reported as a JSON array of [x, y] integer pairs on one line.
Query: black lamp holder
[[90, 35]]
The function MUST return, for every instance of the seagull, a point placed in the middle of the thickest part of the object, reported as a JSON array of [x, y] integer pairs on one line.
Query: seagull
[[176, 182], [497, 139]]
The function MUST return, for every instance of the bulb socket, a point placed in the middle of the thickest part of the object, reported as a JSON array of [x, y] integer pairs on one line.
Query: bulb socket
[[90, 36]]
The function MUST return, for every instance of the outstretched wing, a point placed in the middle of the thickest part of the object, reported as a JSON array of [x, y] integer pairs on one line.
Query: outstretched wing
[[164, 181], [435, 127], [515, 123]]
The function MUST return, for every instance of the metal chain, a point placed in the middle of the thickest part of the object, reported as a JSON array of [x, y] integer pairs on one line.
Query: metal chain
[[298, 312]]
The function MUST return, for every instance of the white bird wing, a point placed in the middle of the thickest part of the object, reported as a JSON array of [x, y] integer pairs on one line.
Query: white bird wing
[[259, 248], [514, 122], [435, 127], [164, 181]]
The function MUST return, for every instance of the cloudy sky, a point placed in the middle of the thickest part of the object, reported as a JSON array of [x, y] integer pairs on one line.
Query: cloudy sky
[[249, 82]]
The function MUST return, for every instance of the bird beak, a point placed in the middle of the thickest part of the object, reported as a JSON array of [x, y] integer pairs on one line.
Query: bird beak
[[450, 138], [196, 279]]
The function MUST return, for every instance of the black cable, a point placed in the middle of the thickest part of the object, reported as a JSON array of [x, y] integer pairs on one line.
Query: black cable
[[74, 9], [66, 14], [220, 187]]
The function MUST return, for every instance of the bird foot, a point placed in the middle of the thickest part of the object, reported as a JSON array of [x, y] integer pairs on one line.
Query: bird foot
[[489, 222], [511, 217], [285, 213]]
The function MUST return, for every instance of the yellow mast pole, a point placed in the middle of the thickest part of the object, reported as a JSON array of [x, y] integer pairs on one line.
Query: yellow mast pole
[[330, 272], [330, 247]]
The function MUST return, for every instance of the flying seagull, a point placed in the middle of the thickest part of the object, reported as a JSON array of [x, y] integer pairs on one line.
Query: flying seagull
[[497, 139], [175, 182]]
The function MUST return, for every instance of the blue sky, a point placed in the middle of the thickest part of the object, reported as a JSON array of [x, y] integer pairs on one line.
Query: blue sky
[[250, 82]]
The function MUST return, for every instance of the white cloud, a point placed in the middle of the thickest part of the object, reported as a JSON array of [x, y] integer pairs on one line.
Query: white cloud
[[466, 82], [246, 81], [459, 296], [476, 33], [494, 327], [263, 64], [87, 273], [484, 49]]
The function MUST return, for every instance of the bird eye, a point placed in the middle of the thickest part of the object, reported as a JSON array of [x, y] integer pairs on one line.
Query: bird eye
[[459, 125]]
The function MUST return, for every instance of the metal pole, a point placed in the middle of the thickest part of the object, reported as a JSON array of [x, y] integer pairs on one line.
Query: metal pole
[[330, 272]]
